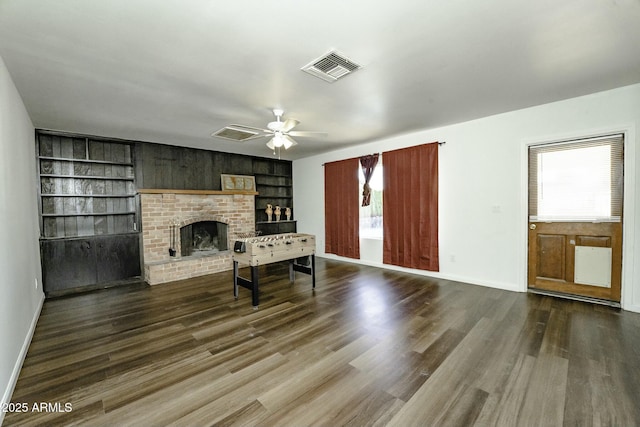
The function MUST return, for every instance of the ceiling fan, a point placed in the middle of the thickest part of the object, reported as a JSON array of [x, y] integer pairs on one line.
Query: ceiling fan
[[280, 131]]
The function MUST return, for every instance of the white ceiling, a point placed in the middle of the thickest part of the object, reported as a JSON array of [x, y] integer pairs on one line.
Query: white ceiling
[[174, 71]]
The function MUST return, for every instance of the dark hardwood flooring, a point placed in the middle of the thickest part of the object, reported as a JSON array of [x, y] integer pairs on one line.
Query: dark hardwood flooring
[[367, 347]]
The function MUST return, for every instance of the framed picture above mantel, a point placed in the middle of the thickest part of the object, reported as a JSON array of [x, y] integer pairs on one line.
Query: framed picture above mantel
[[237, 182]]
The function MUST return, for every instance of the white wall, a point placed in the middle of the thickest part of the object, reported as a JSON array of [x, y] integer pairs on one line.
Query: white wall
[[20, 297], [483, 192]]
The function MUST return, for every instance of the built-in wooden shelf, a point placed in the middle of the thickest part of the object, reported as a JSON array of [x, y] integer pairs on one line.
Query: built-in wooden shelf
[[111, 196], [91, 161], [201, 192], [76, 214], [282, 221], [108, 178]]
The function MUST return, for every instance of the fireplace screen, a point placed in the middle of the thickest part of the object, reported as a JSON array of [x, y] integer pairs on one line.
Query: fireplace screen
[[203, 238]]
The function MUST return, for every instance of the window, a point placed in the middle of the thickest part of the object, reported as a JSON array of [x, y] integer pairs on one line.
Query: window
[[371, 216], [576, 180]]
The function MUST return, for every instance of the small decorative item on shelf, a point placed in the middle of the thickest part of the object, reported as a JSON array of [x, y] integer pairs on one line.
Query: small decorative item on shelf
[[269, 212], [287, 213], [277, 212]]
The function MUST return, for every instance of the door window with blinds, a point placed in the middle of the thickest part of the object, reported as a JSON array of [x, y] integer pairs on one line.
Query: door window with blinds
[[579, 180]]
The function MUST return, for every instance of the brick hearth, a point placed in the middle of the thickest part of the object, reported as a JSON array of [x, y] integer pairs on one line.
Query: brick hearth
[[163, 208]]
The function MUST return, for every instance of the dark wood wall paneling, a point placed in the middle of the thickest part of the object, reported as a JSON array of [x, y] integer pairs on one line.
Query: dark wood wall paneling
[[179, 168], [182, 168], [87, 241]]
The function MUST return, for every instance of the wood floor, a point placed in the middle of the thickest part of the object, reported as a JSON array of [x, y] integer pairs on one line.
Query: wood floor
[[367, 347]]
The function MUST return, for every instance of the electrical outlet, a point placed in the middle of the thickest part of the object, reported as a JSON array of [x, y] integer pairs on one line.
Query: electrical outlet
[[452, 258]]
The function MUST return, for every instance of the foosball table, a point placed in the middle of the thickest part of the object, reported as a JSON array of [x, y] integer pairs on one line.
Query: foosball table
[[299, 249]]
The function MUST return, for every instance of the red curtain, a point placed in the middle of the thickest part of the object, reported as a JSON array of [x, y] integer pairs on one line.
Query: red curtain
[[410, 207], [341, 208], [368, 164]]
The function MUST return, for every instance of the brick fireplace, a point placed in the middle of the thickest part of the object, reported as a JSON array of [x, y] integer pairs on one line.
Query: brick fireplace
[[165, 212]]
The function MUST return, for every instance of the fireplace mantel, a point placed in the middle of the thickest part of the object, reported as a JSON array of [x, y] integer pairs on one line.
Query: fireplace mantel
[[198, 192]]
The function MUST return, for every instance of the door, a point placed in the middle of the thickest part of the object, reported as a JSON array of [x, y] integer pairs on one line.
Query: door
[[575, 217]]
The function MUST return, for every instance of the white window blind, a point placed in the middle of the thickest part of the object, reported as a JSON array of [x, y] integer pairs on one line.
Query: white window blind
[[578, 180]]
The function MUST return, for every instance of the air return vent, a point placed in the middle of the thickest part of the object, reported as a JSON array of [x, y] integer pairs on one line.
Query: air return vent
[[330, 67], [236, 133]]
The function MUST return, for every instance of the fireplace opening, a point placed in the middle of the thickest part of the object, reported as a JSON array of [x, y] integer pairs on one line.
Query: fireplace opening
[[203, 238]]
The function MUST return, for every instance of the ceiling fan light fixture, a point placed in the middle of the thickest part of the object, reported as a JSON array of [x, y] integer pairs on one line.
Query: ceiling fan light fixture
[[278, 141], [288, 141]]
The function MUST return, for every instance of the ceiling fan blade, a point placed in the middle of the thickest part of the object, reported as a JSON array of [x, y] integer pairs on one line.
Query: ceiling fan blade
[[289, 124], [303, 133]]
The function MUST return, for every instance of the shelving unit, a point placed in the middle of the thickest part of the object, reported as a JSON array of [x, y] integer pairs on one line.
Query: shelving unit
[[274, 183], [88, 219], [86, 187], [276, 227]]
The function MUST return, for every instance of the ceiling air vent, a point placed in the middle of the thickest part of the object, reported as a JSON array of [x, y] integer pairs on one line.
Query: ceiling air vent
[[330, 67], [236, 133]]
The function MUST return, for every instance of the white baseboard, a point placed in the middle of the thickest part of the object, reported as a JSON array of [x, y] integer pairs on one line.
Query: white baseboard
[[486, 283], [6, 398], [631, 307], [468, 280]]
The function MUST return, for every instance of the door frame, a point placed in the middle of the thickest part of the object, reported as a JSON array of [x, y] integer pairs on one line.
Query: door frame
[[628, 210]]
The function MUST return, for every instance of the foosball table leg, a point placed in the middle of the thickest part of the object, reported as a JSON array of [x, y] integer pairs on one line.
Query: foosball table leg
[[254, 290], [235, 279], [313, 271]]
